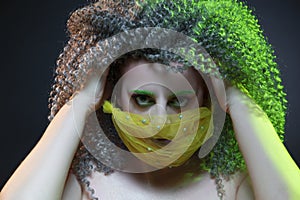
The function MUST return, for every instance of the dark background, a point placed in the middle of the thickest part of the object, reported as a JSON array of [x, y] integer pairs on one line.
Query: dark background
[[33, 33]]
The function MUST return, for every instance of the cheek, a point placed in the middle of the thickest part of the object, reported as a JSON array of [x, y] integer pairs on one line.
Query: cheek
[[122, 100], [127, 104], [200, 97]]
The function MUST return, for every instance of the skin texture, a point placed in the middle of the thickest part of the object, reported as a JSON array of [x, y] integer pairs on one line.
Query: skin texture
[[186, 181], [162, 84], [44, 172]]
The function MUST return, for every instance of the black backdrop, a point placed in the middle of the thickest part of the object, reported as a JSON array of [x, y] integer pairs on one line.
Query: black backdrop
[[33, 34]]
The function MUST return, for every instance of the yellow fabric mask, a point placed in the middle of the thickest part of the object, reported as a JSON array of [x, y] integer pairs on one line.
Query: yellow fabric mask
[[162, 141]]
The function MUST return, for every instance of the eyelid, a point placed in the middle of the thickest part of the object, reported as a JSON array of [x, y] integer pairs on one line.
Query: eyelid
[[149, 103], [142, 92], [182, 93], [185, 101], [178, 98]]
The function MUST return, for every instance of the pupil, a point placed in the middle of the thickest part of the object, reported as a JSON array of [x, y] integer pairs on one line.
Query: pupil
[[143, 98]]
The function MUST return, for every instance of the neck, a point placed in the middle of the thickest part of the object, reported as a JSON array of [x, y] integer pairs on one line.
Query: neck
[[173, 177]]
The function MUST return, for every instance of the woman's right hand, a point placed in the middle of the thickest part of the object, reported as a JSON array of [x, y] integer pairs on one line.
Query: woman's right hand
[[92, 91], [49, 162]]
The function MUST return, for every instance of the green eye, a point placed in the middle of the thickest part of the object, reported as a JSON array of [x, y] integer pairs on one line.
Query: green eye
[[178, 102], [143, 100]]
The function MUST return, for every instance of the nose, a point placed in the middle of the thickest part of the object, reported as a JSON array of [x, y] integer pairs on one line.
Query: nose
[[158, 115], [157, 109], [160, 107]]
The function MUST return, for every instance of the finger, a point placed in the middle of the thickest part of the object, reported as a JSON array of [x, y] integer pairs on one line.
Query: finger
[[220, 91], [100, 92]]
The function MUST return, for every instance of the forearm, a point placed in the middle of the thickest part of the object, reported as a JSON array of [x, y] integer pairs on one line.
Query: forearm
[[43, 173], [273, 172]]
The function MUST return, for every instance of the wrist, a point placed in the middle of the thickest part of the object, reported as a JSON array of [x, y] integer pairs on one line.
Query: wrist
[[82, 103], [236, 99]]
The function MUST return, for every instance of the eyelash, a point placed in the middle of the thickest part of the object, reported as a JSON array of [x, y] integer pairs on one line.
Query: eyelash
[[151, 101], [179, 99], [137, 96]]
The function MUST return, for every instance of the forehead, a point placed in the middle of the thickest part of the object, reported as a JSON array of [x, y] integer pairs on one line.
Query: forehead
[[136, 73]]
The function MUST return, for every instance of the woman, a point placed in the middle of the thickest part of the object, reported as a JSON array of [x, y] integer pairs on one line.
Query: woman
[[230, 34]]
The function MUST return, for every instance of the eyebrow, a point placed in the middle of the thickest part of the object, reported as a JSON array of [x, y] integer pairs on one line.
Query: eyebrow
[[182, 92], [143, 92], [151, 94]]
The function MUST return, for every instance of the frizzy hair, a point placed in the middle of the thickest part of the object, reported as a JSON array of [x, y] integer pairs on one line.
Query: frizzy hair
[[228, 31]]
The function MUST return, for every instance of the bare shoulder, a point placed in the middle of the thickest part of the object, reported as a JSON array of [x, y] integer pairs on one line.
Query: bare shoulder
[[119, 185], [72, 189]]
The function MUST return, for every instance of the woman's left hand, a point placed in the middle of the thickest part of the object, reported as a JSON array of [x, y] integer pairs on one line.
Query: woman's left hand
[[273, 173], [226, 93]]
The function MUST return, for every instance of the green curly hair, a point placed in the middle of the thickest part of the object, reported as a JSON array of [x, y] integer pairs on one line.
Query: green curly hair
[[226, 29], [230, 33]]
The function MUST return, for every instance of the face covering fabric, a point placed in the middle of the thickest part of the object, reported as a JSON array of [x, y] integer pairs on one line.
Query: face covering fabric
[[162, 140]]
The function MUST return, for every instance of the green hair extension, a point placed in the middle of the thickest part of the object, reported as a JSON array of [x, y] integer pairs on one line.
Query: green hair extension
[[230, 33]]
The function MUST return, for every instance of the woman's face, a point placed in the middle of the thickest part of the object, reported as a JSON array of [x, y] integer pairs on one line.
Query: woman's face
[[150, 88]]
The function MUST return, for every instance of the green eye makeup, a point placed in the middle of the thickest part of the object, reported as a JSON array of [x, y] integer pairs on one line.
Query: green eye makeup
[[182, 93], [143, 98], [178, 102], [143, 92]]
